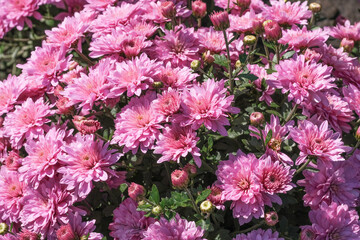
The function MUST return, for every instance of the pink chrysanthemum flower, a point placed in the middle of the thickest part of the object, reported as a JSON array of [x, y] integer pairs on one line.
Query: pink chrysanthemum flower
[[180, 47], [352, 96], [98, 5], [334, 221], [212, 40], [279, 134], [240, 184], [207, 104], [302, 79], [176, 78], [242, 24], [153, 11], [17, 12], [85, 161], [46, 62], [12, 192], [118, 42], [259, 234], [336, 183], [10, 91], [176, 228], [128, 223], [137, 125], [68, 32], [177, 142], [167, 103], [331, 108], [133, 76], [87, 89], [300, 39], [346, 30], [47, 208], [288, 13], [261, 73], [318, 142], [42, 160], [140, 27], [27, 121]]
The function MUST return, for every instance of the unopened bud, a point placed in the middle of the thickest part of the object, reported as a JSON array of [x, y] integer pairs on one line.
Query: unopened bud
[[249, 40], [206, 206], [179, 179], [195, 64], [168, 9], [357, 134], [86, 126], [238, 64], [243, 4], [272, 30], [315, 7], [215, 196], [347, 44], [190, 169], [4, 228], [207, 57], [157, 84], [84, 237], [136, 191], [28, 235], [13, 161], [256, 118], [157, 210], [271, 218], [65, 232], [220, 20], [198, 9]]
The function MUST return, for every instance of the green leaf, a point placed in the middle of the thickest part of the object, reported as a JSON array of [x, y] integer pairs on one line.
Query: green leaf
[[203, 195], [274, 105], [268, 137], [273, 112], [270, 71], [242, 58], [123, 187], [288, 54], [154, 194], [221, 60], [249, 76], [210, 143], [223, 234]]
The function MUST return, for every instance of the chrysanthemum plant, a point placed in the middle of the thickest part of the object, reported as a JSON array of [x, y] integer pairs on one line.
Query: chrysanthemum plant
[[156, 120]]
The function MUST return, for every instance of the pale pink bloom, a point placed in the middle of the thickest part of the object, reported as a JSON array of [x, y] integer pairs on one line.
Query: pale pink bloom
[[88, 89], [175, 77], [17, 12], [335, 183], [259, 234], [98, 5], [261, 73], [352, 96], [12, 192], [27, 121], [71, 7], [86, 160], [133, 76], [212, 40], [332, 108], [47, 208], [46, 63], [318, 141], [167, 103], [255, 5], [240, 184], [288, 13], [352, 74], [334, 221], [69, 77], [177, 142], [176, 228], [207, 104], [42, 160], [137, 125], [27, 235], [153, 11], [346, 30], [128, 223], [242, 24], [10, 91], [300, 39], [302, 79], [140, 27], [180, 47], [118, 42]]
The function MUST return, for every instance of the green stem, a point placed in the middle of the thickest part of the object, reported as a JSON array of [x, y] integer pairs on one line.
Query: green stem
[[277, 47], [83, 57], [192, 201], [291, 113], [231, 81], [251, 228], [303, 166], [199, 22], [267, 53], [262, 139]]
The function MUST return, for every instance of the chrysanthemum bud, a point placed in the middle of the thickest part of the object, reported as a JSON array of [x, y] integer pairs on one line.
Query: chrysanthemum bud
[[315, 7], [243, 4], [271, 218], [206, 206], [258, 27], [215, 195], [207, 57], [220, 20], [190, 169], [86, 126], [13, 161], [249, 40], [63, 107], [65, 232], [307, 233], [168, 9], [347, 44], [157, 84], [179, 179], [136, 191], [84, 237], [272, 30], [28, 235], [3, 228], [256, 118], [238, 64], [195, 64], [357, 134], [198, 9], [275, 144], [157, 210]]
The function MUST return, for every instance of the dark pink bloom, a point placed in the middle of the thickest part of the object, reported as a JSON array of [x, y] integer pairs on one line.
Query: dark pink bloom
[[128, 223], [212, 40], [86, 126], [346, 30], [136, 191], [352, 96], [272, 30], [168, 103], [175, 77], [180, 179], [259, 234], [261, 73], [198, 8], [220, 20]]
